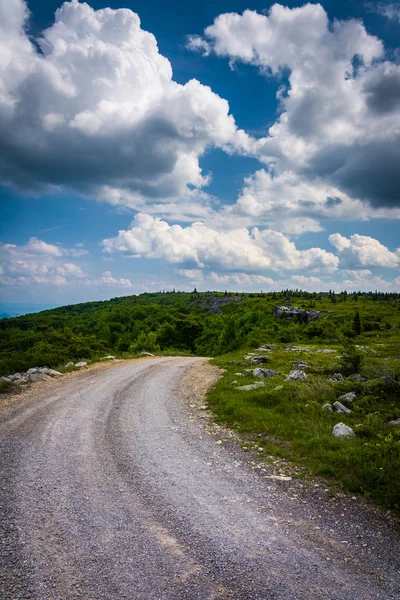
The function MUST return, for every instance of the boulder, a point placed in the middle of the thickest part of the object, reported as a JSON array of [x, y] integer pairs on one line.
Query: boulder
[[349, 397], [20, 381], [35, 377], [357, 377], [336, 377], [341, 408], [296, 375], [33, 370], [265, 372], [81, 364], [301, 364], [342, 431], [259, 360], [15, 377], [395, 423], [327, 406], [251, 386]]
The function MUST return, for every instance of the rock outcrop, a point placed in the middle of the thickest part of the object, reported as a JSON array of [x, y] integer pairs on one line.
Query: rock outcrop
[[300, 314]]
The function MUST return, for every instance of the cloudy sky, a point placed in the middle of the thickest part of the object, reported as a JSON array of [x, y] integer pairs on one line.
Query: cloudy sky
[[218, 145]]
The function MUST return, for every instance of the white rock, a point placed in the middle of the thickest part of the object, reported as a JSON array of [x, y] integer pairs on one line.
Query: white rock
[[108, 357], [336, 377], [279, 477], [342, 431], [326, 351], [327, 406], [146, 354], [32, 370], [251, 386], [349, 397], [341, 408], [38, 377], [239, 374], [81, 364], [277, 388], [234, 382], [53, 373], [296, 375], [68, 365], [395, 423]]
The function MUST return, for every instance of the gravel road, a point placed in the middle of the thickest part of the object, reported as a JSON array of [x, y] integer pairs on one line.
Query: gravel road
[[113, 487]]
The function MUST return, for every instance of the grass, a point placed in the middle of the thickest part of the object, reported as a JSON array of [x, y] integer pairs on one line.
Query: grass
[[297, 428]]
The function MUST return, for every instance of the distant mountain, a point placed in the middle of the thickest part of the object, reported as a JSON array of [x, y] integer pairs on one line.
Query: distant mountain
[[11, 310]]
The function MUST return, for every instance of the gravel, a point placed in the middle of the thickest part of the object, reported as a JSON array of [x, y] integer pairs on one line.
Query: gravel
[[114, 485]]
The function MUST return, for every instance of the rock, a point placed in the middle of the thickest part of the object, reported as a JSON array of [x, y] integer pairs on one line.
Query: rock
[[265, 372], [336, 377], [247, 371], [15, 377], [32, 370], [301, 364], [279, 477], [327, 406], [232, 362], [204, 407], [395, 423], [357, 377], [326, 351], [349, 397], [296, 349], [296, 375], [289, 312], [19, 381], [234, 382], [341, 408], [108, 357], [145, 354], [35, 377], [53, 373], [265, 347], [259, 360], [277, 388], [6, 379], [81, 364], [239, 374], [342, 431], [251, 386], [68, 365]]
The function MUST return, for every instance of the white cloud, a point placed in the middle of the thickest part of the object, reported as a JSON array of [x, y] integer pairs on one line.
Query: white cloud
[[389, 10], [243, 279], [110, 281], [37, 262], [339, 124], [97, 110], [194, 274], [364, 251], [234, 249]]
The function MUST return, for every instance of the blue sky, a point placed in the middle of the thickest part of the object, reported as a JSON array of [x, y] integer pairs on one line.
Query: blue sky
[[217, 145]]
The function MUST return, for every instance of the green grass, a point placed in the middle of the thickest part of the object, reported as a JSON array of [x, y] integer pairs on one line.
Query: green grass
[[297, 428]]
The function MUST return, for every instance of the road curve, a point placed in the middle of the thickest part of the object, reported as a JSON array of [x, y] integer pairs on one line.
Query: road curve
[[111, 490]]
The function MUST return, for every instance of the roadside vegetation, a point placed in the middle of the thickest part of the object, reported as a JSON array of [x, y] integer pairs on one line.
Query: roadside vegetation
[[358, 334]]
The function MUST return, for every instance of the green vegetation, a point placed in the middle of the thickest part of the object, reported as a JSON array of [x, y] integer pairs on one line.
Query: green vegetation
[[363, 329]]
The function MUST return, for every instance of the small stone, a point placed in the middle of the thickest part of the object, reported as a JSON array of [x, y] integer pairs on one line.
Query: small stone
[[259, 360], [234, 382], [336, 377], [349, 397], [395, 423], [81, 364], [219, 442], [204, 407], [296, 375], [279, 477], [327, 406], [68, 365], [277, 388], [258, 372], [239, 374], [342, 431], [341, 408], [251, 386]]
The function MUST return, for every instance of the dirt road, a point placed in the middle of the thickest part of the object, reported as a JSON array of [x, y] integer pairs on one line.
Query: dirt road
[[112, 488]]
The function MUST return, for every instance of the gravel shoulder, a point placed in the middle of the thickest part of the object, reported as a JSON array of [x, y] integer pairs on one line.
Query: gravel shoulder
[[116, 483]]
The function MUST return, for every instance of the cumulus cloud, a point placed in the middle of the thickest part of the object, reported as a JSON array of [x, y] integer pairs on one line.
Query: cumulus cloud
[[340, 111], [37, 262], [364, 251], [97, 110], [203, 246], [110, 281], [244, 279]]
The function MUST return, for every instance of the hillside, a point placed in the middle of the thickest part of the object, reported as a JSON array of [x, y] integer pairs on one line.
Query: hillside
[[207, 324]]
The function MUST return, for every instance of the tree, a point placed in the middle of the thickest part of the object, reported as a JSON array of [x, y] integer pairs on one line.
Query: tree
[[357, 323]]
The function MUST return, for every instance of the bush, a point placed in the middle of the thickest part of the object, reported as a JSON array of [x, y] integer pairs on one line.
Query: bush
[[351, 359]]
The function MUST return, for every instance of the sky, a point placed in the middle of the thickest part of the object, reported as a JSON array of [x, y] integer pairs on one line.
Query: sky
[[163, 145]]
